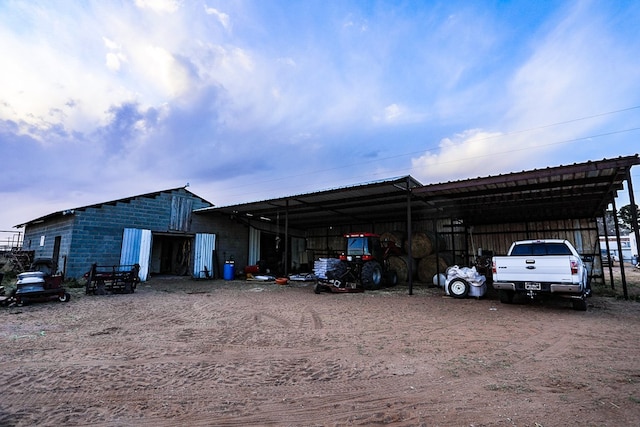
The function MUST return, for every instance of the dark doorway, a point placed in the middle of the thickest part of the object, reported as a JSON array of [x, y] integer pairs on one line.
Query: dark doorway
[[271, 249], [171, 255], [56, 253]]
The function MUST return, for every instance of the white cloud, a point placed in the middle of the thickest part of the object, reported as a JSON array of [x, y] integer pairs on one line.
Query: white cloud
[[471, 153], [43, 86], [110, 44], [392, 112], [575, 70], [298, 82], [222, 17], [160, 67], [160, 6], [113, 61]]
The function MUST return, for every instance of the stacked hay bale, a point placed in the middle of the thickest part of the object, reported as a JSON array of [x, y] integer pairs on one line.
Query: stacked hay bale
[[401, 263], [394, 240], [424, 246], [423, 260]]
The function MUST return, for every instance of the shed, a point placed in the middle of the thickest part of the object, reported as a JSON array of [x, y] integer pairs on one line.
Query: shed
[[154, 230], [562, 201]]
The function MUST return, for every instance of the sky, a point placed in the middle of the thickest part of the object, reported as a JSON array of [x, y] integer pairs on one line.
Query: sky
[[250, 100]]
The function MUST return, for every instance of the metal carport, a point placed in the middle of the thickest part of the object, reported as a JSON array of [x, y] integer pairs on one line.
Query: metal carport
[[580, 190]]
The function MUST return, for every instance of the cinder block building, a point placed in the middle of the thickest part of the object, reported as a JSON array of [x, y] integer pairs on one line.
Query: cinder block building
[[156, 230]]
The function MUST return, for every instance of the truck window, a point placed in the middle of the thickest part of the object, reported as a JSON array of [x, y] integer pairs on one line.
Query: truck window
[[521, 250], [557, 249], [541, 249]]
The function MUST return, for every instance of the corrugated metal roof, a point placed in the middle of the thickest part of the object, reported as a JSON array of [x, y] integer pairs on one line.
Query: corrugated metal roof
[[581, 190], [376, 201]]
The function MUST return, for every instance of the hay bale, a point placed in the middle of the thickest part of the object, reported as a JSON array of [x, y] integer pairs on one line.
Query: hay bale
[[448, 256], [423, 244], [400, 263], [428, 266]]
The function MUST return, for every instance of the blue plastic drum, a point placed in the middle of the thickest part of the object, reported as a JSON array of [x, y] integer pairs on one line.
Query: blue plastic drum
[[229, 270]]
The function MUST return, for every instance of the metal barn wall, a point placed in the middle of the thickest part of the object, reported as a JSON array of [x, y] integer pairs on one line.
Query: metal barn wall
[[463, 245], [329, 241], [232, 239], [497, 238]]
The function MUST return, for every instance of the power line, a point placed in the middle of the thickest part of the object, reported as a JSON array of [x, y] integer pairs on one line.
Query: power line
[[427, 150], [308, 173]]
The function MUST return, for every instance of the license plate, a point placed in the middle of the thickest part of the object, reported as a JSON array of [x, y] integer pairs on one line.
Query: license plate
[[532, 286]]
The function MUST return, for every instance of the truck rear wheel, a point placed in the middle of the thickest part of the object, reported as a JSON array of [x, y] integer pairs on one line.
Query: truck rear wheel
[[579, 304], [506, 297], [371, 276]]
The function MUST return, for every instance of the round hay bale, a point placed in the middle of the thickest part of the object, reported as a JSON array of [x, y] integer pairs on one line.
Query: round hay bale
[[400, 264], [448, 257], [428, 267], [423, 244], [420, 245], [392, 239]]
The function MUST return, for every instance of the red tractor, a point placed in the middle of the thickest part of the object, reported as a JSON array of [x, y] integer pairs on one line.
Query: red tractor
[[363, 265]]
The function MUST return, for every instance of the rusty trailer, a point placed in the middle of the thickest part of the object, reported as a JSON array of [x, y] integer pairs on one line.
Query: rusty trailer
[[121, 279]]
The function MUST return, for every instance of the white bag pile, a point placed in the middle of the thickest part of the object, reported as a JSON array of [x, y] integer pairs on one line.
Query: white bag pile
[[477, 281], [470, 274]]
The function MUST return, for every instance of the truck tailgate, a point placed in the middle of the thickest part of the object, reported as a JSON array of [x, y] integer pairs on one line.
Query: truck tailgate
[[555, 269]]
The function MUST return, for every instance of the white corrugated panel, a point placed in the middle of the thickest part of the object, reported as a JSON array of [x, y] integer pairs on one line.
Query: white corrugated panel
[[136, 249], [254, 246], [204, 246]]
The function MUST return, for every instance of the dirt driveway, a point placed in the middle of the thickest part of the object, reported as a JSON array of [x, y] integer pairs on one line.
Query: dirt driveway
[[216, 353]]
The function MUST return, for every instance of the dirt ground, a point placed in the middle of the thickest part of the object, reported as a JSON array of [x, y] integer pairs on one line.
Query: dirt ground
[[238, 353]]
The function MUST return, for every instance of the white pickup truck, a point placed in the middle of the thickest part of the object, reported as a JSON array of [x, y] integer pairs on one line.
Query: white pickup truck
[[539, 267]]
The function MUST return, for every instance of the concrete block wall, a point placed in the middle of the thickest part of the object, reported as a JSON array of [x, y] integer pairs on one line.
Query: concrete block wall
[[98, 231], [232, 237], [47, 232], [94, 234]]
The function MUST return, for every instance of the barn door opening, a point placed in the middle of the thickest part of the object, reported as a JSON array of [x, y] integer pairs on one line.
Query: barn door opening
[[57, 241], [171, 254], [136, 249]]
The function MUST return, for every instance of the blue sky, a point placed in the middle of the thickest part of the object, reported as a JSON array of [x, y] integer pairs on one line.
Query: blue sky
[[248, 100]]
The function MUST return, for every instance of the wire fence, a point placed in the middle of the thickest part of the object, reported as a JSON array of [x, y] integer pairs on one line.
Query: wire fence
[[10, 240]]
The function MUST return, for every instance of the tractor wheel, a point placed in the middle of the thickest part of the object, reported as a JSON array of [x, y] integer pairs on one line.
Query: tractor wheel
[[459, 288], [391, 278], [64, 297], [371, 276]]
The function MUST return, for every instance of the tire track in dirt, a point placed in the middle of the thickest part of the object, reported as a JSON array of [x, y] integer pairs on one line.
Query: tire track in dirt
[[316, 320], [223, 358]]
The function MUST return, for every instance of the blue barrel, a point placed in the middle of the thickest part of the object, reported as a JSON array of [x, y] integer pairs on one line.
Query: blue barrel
[[229, 270]]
